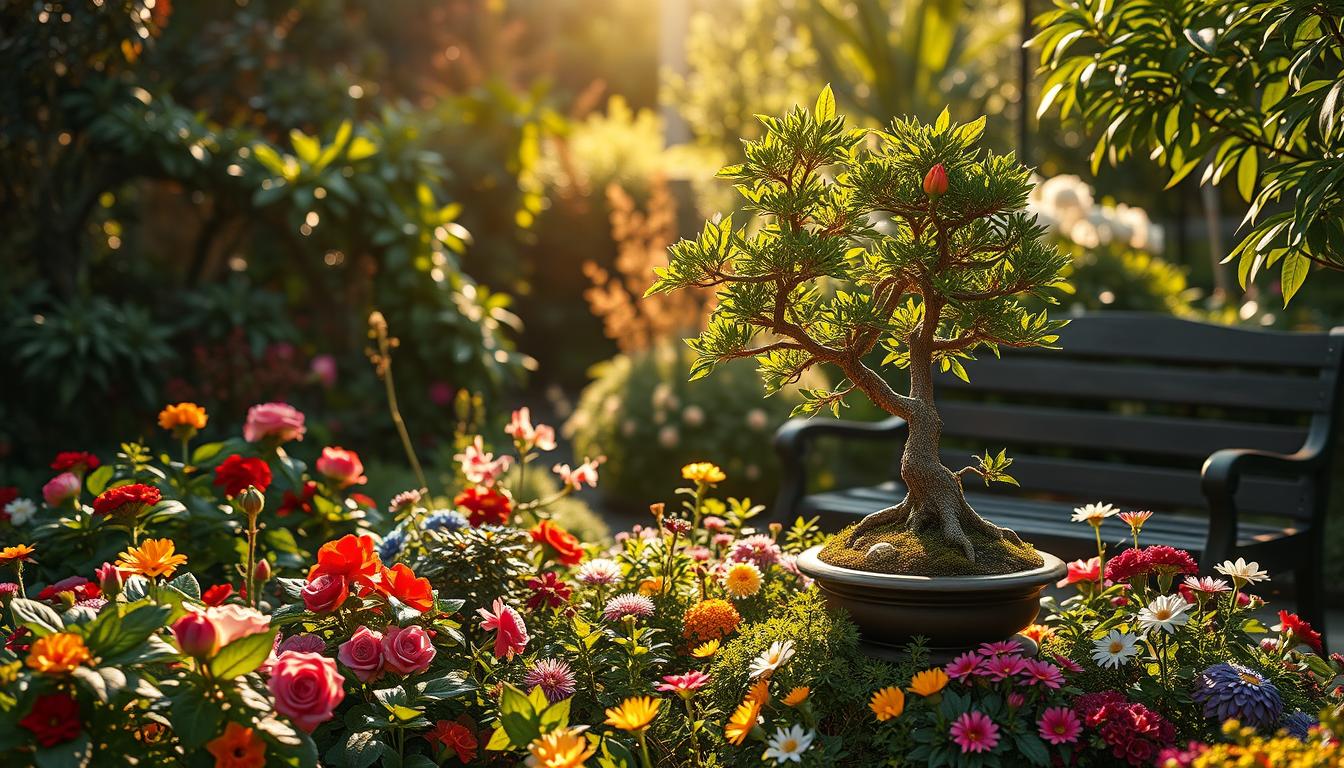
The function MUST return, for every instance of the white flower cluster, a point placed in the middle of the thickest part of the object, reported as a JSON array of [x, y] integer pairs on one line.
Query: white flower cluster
[[1065, 206]]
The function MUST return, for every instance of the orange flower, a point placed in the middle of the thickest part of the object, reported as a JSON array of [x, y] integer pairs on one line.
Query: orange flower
[[711, 619], [703, 472], [797, 696], [563, 544], [19, 552], [400, 582], [237, 747], [743, 720], [154, 557], [651, 586], [929, 682], [58, 654], [760, 692], [887, 703], [1037, 633], [351, 557], [183, 419]]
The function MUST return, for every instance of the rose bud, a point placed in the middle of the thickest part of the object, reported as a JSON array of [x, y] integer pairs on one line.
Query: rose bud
[[196, 635], [252, 501], [935, 181], [262, 572], [325, 594], [110, 580]]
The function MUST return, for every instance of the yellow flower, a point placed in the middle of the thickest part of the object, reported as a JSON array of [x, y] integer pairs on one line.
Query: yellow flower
[[928, 682], [58, 654], [1037, 632], [743, 719], [797, 696], [561, 748], [760, 692], [19, 552], [634, 714], [154, 557], [742, 580], [887, 703], [706, 650], [651, 586], [703, 472], [183, 418]]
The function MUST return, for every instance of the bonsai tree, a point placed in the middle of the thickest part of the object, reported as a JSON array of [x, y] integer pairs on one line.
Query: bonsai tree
[[910, 241]]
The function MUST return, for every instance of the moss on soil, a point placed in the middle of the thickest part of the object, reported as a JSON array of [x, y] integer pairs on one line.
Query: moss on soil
[[930, 555]]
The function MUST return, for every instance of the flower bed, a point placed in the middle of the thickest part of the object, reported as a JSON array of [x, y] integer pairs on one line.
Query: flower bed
[[231, 608]]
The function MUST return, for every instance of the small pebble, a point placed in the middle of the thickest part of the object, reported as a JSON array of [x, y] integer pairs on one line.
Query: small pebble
[[880, 550]]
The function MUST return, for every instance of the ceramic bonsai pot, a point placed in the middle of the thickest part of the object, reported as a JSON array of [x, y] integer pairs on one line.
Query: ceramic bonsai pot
[[955, 613]]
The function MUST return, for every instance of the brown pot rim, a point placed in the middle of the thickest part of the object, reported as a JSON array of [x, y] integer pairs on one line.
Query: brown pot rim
[[811, 564]]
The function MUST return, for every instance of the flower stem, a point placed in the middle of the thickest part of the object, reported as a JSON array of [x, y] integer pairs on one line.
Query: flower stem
[[695, 739], [644, 749]]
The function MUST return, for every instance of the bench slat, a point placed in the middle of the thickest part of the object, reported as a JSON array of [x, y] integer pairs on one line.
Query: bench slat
[[1053, 374], [1195, 438]]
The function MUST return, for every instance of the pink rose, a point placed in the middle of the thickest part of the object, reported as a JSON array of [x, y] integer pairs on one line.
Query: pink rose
[[61, 489], [276, 421], [324, 368], [341, 466], [363, 654], [325, 594], [304, 642], [196, 635], [306, 688], [510, 632], [407, 650], [233, 622]]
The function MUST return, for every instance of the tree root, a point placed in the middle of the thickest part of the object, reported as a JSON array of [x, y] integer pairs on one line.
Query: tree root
[[952, 517]]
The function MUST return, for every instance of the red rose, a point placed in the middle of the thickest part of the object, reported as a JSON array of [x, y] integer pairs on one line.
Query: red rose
[[82, 588], [566, 547], [300, 502], [237, 473], [455, 737], [54, 719], [400, 582], [78, 462], [485, 505], [126, 501], [216, 595], [325, 593]]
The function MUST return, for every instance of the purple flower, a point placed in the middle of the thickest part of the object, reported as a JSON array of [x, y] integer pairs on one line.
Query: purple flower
[[553, 677], [628, 604], [1230, 691]]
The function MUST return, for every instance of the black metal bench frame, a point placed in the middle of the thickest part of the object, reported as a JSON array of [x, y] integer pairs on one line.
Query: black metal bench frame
[[1250, 469]]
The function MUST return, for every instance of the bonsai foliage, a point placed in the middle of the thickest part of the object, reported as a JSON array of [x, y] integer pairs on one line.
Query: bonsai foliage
[[912, 240], [1245, 91]]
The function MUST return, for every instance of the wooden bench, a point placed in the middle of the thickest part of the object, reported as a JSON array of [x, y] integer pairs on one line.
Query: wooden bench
[[1225, 433]]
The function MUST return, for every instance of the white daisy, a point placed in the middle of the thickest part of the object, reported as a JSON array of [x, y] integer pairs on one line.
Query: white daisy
[[789, 744], [774, 657], [1242, 572], [1165, 613], [1114, 650], [20, 511], [1093, 514], [599, 571]]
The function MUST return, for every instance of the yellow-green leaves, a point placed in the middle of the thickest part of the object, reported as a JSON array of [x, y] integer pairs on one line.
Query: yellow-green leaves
[[825, 109]]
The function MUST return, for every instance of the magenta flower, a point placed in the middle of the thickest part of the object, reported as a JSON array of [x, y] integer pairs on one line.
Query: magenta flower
[[1059, 725], [759, 549], [278, 421], [1067, 664], [685, 685], [1002, 667], [1000, 648], [1035, 671], [510, 632], [554, 677], [975, 732], [964, 666], [629, 604]]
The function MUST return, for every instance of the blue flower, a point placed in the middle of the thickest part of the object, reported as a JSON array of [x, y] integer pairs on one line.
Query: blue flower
[[445, 519], [392, 544], [1299, 724], [1230, 691]]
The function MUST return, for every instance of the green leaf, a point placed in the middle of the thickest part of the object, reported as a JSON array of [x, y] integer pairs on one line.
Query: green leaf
[[41, 619], [1294, 273], [196, 719], [1246, 175], [242, 655], [825, 109], [98, 479], [72, 754], [362, 749], [206, 452]]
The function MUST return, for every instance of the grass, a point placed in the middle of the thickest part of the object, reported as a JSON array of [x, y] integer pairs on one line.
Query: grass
[[931, 554]]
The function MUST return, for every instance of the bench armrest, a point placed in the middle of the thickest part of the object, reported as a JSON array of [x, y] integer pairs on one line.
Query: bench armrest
[[795, 436], [1222, 474]]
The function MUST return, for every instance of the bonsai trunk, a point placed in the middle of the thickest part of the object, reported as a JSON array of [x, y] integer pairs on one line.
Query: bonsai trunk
[[935, 500]]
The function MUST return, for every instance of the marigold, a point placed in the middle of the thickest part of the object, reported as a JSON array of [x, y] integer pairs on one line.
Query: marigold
[[742, 580], [742, 721], [712, 619], [561, 748], [237, 747], [797, 696], [706, 650], [154, 557], [58, 654], [16, 553], [887, 703], [703, 472], [929, 682], [634, 714], [183, 419]]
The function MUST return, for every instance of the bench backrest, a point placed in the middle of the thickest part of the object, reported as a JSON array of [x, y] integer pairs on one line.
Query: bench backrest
[[1132, 404]]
